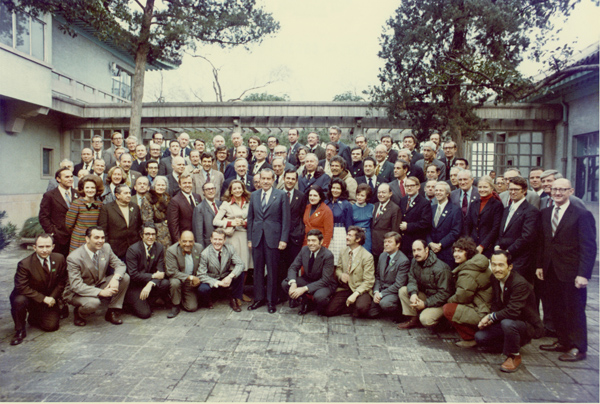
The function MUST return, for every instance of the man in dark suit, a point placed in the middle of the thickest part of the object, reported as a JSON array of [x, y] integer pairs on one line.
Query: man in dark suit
[[268, 234], [237, 140], [183, 149], [384, 169], [178, 166], [207, 174], [260, 154], [446, 225], [335, 133], [129, 176], [392, 155], [414, 171], [146, 269], [514, 319], [294, 146], [312, 140], [39, 282], [519, 230], [401, 169], [386, 218], [241, 174], [204, 214], [390, 275], [140, 159], [311, 275], [142, 186], [410, 142], [90, 280], [181, 264], [449, 157], [121, 221], [416, 216], [370, 178], [181, 208], [466, 193], [54, 207], [429, 158], [242, 152], [314, 175], [356, 169], [565, 264], [87, 158]]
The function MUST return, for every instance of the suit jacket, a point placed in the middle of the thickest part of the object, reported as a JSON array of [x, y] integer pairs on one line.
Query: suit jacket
[[416, 171], [532, 197], [321, 274], [165, 166], [518, 303], [416, 156], [230, 157], [396, 193], [446, 232], [362, 272], [216, 163], [521, 238], [291, 155], [229, 171], [265, 164], [456, 197], [175, 261], [484, 227], [34, 282], [392, 155], [319, 151], [118, 234], [345, 152], [202, 222], [186, 152], [386, 173], [378, 182], [572, 250], [53, 210], [180, 214], [83, 277], [439, 164], [248, 182], [79, 167], [321, 219], [134, 176], [140, 267], [321, 179], [109, 157], [139, 166], [390, 278], [388, 221], [356, 169], [210, 270], [544, 201], [418, 221], [198, 181], [447, 163], [273, 223], [297, 208]]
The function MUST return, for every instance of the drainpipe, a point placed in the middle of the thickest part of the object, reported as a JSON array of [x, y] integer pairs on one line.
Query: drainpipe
[[565, 123]]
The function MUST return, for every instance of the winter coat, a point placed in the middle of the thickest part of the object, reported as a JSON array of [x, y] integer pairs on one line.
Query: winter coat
[[432, 277], [473, 290]]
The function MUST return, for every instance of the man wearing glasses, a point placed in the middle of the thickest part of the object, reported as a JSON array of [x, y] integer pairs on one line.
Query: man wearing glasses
[[416, 216], [146, 268]]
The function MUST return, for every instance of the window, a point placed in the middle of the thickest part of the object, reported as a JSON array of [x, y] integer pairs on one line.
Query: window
[[586, 163], [22, 32], [47, 161], [121, 83]]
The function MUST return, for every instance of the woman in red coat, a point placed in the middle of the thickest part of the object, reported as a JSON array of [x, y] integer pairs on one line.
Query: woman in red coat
[[318, 215]]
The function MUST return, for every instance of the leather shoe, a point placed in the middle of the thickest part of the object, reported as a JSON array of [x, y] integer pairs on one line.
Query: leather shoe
[[19, 337], [556, 347], [112, 317], [64, 312], [257, 304], [294, 303], [235, 305], [511, 364], [77, 319], [174, 312], [412, 323], [573, 355], [272, 309], [304, 308]]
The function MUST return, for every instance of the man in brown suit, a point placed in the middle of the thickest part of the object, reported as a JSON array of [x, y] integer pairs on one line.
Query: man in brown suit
[[181, 208]]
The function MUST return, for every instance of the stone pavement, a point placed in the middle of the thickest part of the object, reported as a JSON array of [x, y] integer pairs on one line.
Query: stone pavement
[[219, 355]]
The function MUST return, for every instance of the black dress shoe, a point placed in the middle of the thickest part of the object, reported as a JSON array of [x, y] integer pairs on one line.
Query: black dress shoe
[[272, 309], [304, 309], [19, 337], [64, 312], [112, 317], [257, 304], [573, 355], [235, 305], [555, 347], [294, 303], [77, 319], [174, 312]]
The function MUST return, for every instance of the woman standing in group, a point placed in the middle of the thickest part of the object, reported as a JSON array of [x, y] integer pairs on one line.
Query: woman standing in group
[[318, 215], [362, 212], [233, 218], [114, 177], [154, 209], [84, 211], [342, 215], [483, 219]]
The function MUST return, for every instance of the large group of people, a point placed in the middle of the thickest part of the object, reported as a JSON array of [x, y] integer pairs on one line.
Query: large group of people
[[371, 232]]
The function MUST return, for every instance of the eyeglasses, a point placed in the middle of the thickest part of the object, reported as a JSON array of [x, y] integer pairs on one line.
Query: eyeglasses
[[210, 189], [410, 185], [560, 190]]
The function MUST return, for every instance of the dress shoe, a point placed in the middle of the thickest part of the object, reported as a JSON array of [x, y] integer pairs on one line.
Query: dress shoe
[[235, 305], [412, 323], [466, 344], [77, 319], [304, 308], [64, 312], [511, 364], [272, 309], [19, 337], [573, 355], [246, 299], [556, 347], [257, 304], [112, 317], [294, 303], [175, 310]]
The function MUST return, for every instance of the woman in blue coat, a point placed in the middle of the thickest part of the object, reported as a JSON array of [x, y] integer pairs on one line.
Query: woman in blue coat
[[342, 215]]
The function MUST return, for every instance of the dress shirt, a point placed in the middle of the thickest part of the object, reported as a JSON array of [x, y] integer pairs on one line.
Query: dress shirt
[[561, 212], [188, 196], [513, 208], [382, 208], [90, 253], [267, 196]]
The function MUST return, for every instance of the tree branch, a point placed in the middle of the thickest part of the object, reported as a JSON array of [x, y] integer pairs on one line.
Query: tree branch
[[250, 89]]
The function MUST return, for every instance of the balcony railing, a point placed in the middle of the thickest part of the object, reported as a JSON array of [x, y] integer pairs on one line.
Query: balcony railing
[[77, 90]]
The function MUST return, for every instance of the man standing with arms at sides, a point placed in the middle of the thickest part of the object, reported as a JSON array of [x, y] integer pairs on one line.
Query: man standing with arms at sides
[[449, 158], [54, 207], [39, 282], [207, 174], [335, 133], [410, 142], [361, 142], [386, 218], [565, 264], [181, 263], [294, 146], [89, 280], [401, 169], [268, 233], [181, 208], [237, 140], [314, 147], [416, 216], [391, 153], [178, 166], [204, 214], [370, 178], [146, 268]]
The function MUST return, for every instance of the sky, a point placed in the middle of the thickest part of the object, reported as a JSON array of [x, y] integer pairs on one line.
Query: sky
[[323, 48]]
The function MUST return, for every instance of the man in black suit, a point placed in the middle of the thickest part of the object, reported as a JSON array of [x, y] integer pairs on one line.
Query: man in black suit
[[416, 216], [181, 208], [241, 152], [565, 263], [146, 268], [241, 174], [401, 169], [466, 193], [514, 319], [121, 221], [384, 169], [410, 142], [237, 140], [450, 150], [519, 230], [87, 159], [39, 282], [370, 178], [311, 274], [204, 213], [313, 143], [386, 218], [414, 171], [356, 169], [140, 159], [294, 146], [54, 207], [392, 155], [178, 168], [335, 133]]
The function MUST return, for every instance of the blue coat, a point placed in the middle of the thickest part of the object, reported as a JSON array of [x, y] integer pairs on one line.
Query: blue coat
[[447, 231], [273, 223]]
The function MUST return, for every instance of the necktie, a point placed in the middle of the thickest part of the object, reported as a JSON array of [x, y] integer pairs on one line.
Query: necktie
[[509, 202], [549, 203], [67, 194], [219, 257], [97, 155], [96, 267], [308, 176], [408, 203], [555, 220], [402, 190], [378, 168], [215, 208], [311, 262], [207, 177], [387, 262], [264, 200], [349, 263], [192, 201], [46, 266], [234, 154], [379, 211], [438, 213], [371, 182], [465, 204], [289, 194]]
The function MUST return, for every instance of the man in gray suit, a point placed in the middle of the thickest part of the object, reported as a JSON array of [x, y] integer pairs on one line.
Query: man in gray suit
[[207, 174], [390, 276], [204, 214], [221, 269], [89, 283], [532, 197], [181, 264], [466, 193], [429, 151]]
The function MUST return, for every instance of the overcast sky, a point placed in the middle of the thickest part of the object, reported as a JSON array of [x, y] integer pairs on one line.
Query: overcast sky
[[323, 48]]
